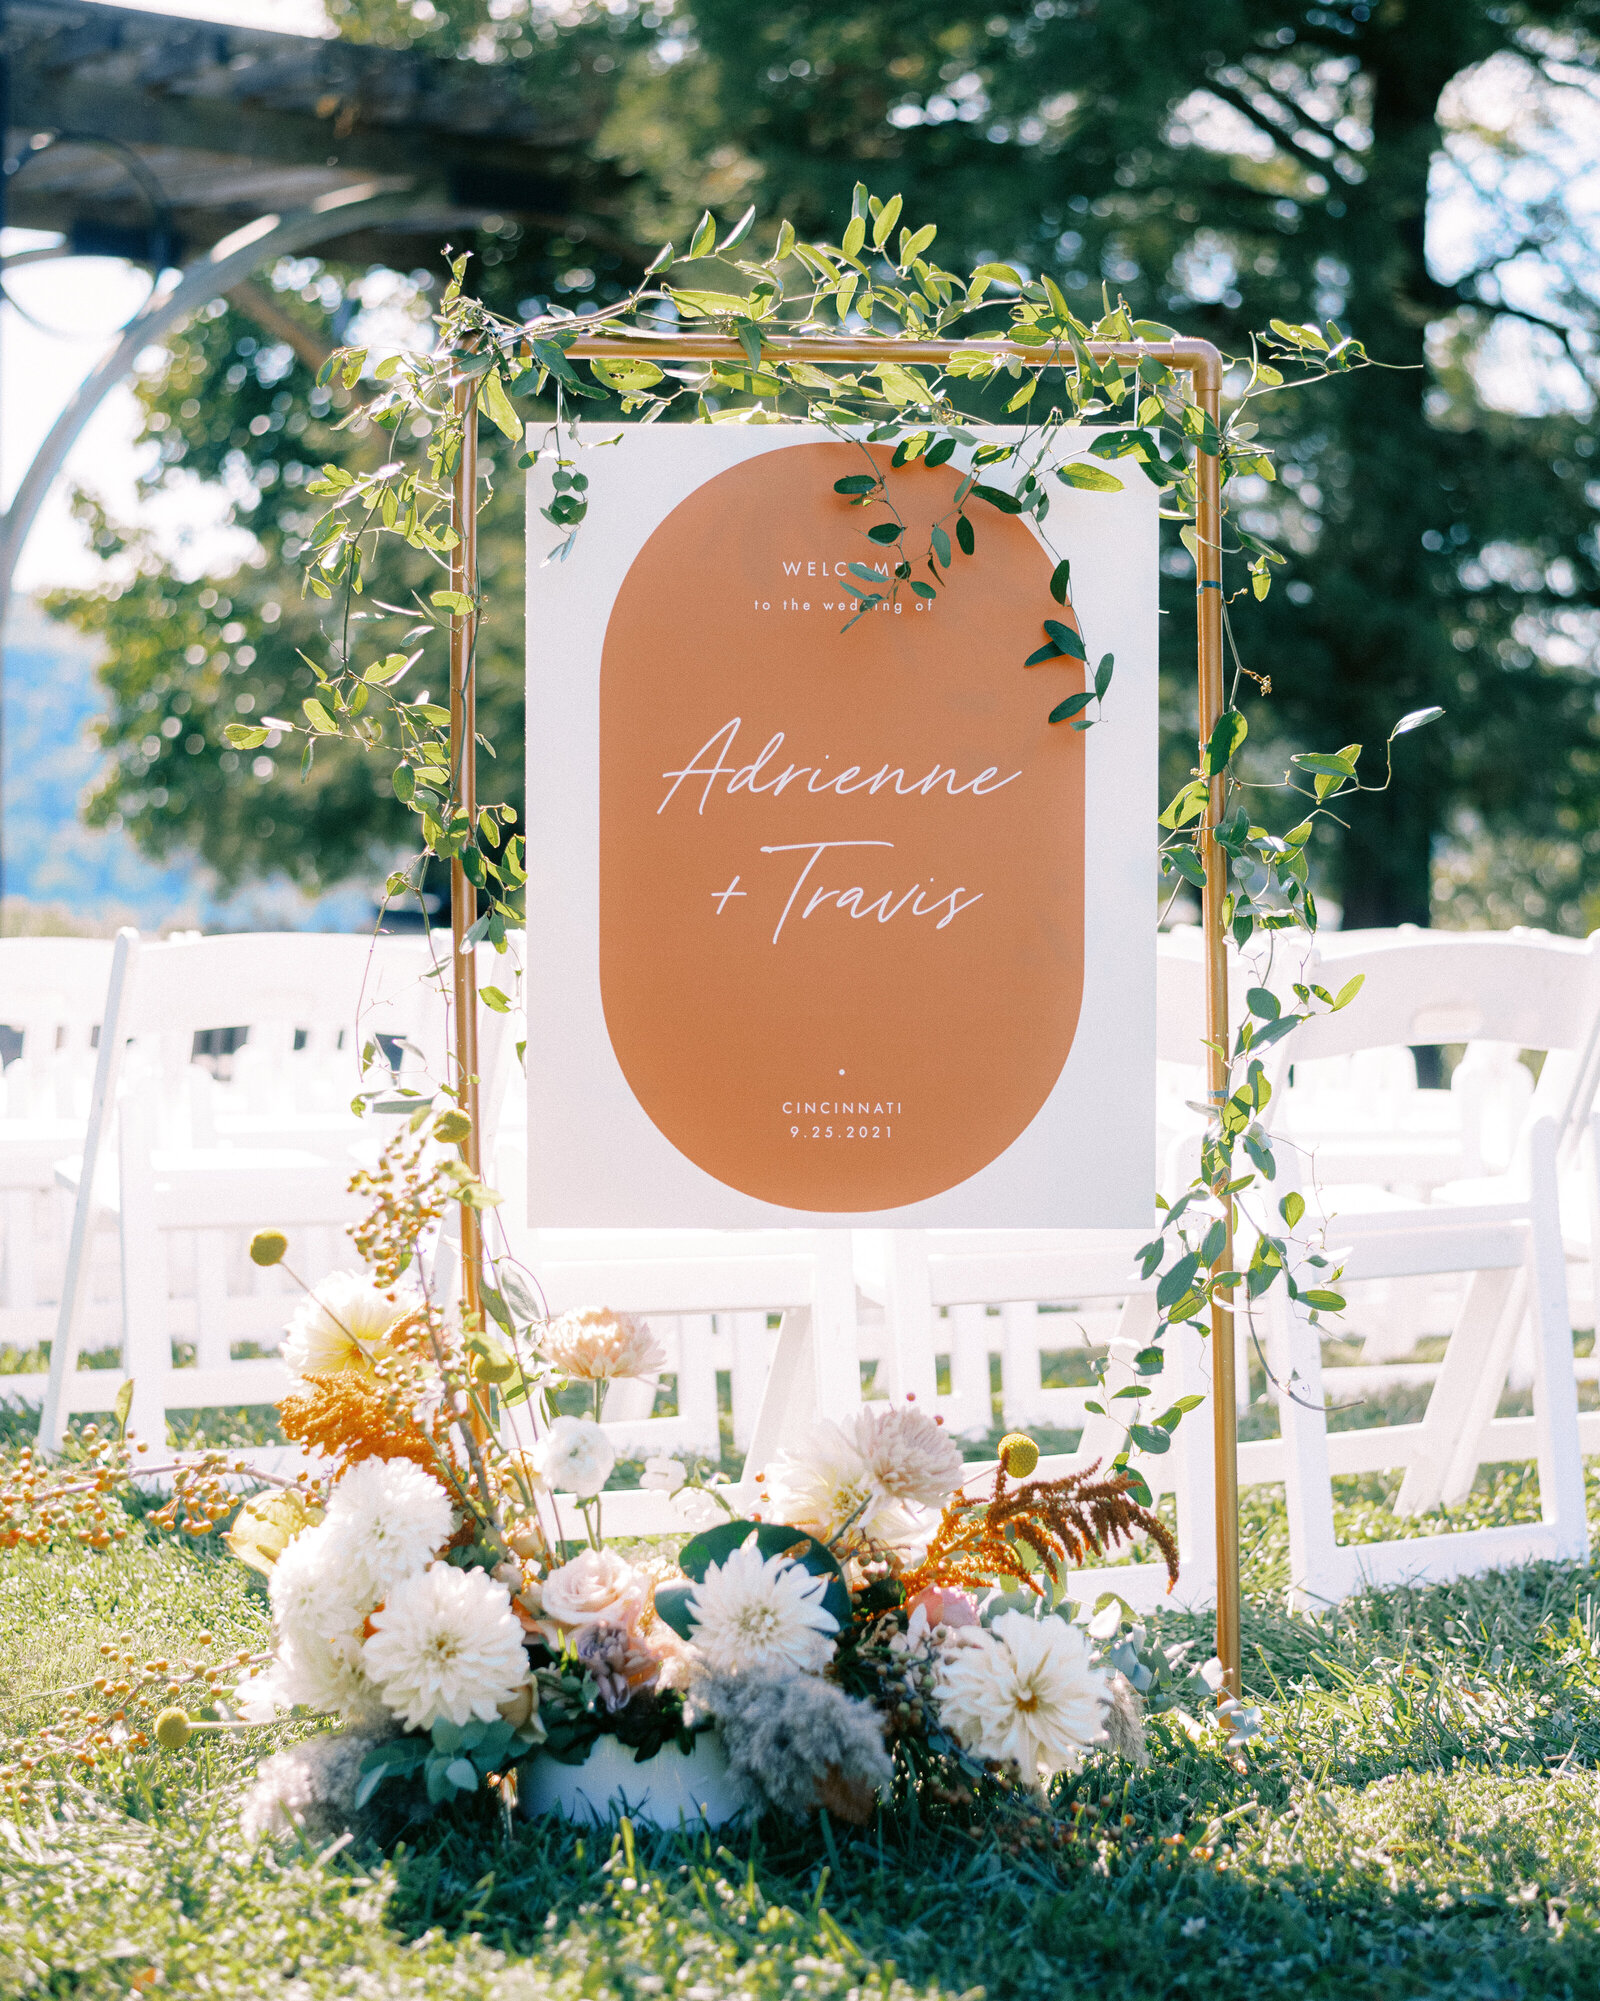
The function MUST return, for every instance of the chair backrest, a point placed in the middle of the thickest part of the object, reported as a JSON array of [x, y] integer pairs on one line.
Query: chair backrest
[[48, 984], [1530, 990]]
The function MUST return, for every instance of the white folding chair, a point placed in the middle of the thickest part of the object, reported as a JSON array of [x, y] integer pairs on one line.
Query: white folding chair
[[1503, 1235], [155, 1169], [52, 992]]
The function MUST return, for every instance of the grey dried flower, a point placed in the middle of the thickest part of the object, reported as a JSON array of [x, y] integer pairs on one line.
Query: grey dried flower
[[800, 1742], [1124, 1723], [311, 1786], [608, 1652]]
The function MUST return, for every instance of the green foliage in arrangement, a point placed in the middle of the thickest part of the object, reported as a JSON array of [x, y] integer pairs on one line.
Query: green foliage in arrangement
[[1418, 1817]]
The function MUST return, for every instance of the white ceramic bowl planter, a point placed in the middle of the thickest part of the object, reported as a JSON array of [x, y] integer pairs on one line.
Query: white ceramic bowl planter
[[673, 1788]]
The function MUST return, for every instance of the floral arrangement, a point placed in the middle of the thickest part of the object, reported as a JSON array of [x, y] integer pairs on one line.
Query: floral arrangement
[[859, 1619], [859, 1616]]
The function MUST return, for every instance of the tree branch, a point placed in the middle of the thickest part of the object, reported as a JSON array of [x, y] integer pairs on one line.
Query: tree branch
[[1290, 144]]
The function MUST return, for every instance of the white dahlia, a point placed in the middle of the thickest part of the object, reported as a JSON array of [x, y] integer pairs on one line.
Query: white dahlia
[[386, 1519], [1024, 1693], [600, 1345], [338, 1326], [314, 1596], [575, 1457], [876, 1472], [310, 1674], [761, 1612], [446, 1643]]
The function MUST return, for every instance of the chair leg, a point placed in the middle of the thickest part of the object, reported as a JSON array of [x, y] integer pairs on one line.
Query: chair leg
[[835, 1353], [1464, 1395], [908, 1304], [788, 1403], [146, 1336], [1555, 1385], [970, 1402], [1188, 1357], [1317, 1565]]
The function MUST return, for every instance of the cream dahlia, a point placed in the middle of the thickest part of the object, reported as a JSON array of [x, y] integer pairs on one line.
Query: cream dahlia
[[597, 1588], [599, 1345], [876, 1473], [575, 1457], [761, 1612], [1025, 1693], [338, 1326], [445, 1643], [386, 1520]]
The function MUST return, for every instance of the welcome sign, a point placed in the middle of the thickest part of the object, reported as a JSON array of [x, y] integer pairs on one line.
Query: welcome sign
[[827, 922]]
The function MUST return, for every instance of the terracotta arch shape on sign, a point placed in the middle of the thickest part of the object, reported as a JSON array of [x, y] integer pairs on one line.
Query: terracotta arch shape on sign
[[841, 864]]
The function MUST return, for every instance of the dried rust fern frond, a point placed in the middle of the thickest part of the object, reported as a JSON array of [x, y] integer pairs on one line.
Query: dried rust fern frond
[[980, 1539], [352, 1416]]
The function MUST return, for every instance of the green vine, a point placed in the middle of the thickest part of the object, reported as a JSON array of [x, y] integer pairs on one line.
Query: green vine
[[1142, 416]]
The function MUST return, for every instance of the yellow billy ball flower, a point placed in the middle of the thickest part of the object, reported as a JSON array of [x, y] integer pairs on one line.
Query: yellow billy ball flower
[[268, 1247], [1018, 1454], [173, 1729]]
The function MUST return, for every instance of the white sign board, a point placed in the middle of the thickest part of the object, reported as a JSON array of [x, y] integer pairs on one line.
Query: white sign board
[[827, 922]]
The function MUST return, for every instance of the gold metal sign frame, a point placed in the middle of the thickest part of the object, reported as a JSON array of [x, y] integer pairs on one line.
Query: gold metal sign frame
[[1196, 358]]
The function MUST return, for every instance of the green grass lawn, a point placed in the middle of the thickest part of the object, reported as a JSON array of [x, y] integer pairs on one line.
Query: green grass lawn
[[1421, 1818]]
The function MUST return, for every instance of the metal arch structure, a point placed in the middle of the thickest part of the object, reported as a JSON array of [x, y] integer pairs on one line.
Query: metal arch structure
[[1204, 365], [224, 267]]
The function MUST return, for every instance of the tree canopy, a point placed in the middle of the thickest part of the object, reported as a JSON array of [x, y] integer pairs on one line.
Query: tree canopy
[[1218, 169]]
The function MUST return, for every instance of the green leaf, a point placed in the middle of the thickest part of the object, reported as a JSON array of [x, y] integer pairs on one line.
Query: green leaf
[[883, 227], [1066, 639], [1262, 1001], [1093, 479], [913, 245], [941, 544], [1175, 1283], [854, 236], [857, 482], [997, 497], [1102, 675], [738, 230], [1324, 1301], [462, 1774], [1348, 991], [244, 736], [964, 536], [1060, 580], [1327, 764], [493, 998], [1416, 720], [319, 719], [122, 1406], [497, 406], [457, 603], [1292, 1207], [704, 240], [1230, 731], [885, 531], [627, 378], [1073, 705]]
